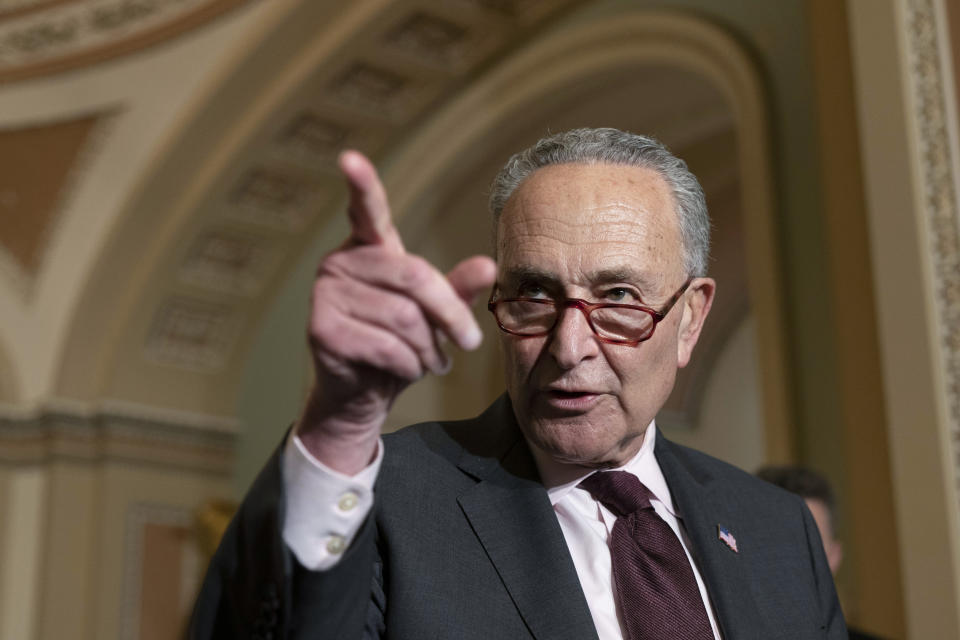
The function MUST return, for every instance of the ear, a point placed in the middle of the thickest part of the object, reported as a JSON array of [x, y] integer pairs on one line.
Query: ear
[[696, 305]]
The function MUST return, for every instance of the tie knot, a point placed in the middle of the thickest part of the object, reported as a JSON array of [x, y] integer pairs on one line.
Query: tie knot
[[619, 491]]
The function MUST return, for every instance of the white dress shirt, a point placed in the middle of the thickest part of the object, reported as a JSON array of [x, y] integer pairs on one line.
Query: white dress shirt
[[325, 509]]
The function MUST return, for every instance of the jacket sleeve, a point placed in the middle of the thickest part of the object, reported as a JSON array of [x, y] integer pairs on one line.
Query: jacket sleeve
[[256, 589]]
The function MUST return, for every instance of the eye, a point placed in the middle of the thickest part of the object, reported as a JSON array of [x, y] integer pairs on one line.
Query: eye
[[620, 294], [531, 290]]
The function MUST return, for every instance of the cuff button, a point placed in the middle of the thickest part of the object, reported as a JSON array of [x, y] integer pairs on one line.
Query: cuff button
[[336, 545], [348, 501]]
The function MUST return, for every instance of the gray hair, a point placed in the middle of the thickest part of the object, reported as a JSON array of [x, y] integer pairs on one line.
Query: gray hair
[[612, 146]]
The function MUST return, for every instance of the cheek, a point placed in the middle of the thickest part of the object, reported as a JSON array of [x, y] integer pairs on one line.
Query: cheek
[[519, 357], [646, 375]]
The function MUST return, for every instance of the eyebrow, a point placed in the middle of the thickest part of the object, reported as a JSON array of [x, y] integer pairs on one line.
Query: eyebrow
[[618, 273], [529, 272], [625, 274]]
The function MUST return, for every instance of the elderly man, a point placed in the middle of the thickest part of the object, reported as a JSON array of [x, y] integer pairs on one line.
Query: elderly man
[[561, 512]]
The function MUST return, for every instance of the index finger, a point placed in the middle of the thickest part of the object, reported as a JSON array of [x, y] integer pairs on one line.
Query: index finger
[[369, 210]]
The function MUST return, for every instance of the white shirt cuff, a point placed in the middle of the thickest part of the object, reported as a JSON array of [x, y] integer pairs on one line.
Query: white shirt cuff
[[325, 508]]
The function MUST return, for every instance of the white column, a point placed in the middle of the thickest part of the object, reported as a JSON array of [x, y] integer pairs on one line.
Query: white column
[[905, 108], [20, 567]]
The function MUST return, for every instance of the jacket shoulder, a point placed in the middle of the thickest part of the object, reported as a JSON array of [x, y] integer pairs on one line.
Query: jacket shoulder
[[706, 469], [487, 436]]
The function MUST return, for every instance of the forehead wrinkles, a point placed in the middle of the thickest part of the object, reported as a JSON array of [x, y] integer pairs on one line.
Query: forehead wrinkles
[[609, 231], [615, 222]]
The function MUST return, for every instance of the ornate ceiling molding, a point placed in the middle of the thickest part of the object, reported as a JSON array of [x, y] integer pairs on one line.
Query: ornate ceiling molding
[[192, 334], [39, 38], [941, 211], [117, 434]]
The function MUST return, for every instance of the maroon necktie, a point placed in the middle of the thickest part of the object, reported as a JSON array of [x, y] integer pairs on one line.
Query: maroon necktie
[[656, 591]]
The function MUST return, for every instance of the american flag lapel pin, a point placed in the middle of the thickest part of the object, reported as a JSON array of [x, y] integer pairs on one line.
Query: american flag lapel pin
[[727, 538]]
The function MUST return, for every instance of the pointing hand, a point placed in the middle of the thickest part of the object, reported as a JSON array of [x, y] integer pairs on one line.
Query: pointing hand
[[379, 318]]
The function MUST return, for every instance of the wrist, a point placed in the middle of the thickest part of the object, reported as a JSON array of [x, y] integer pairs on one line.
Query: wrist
[[344, 444], [346, 455]]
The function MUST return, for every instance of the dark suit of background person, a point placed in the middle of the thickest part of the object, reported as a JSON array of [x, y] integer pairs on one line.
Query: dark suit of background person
[[817, 493], [462, 541]]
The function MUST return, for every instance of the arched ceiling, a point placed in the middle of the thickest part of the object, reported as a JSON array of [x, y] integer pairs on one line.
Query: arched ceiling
[[182, 180], [172, 158]]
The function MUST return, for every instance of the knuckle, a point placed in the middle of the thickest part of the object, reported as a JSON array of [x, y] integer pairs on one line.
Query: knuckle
[[407, 316], [322, 288], [416, 272], [332, 264], [394, 357], [323, 329]]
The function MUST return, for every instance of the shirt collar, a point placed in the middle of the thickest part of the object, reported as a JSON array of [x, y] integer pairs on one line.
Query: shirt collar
[[560, 479]]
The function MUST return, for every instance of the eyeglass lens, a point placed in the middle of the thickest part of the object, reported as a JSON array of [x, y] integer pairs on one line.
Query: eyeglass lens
[[532, 317]]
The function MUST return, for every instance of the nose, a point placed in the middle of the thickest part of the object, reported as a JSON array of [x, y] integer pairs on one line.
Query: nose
[[572, 339]]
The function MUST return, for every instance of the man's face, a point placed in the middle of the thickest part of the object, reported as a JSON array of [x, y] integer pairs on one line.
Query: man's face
[[600, 233]]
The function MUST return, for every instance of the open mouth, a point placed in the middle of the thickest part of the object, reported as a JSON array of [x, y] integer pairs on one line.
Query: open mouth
[[569, 395], [567, 402]]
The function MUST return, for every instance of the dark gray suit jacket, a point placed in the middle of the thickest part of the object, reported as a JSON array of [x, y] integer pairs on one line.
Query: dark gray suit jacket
[[463, 543]]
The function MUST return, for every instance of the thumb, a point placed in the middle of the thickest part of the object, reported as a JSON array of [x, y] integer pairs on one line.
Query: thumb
[[472, 277]]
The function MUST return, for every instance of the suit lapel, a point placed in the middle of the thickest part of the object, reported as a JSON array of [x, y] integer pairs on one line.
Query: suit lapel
[[511, 514], [702, 506]]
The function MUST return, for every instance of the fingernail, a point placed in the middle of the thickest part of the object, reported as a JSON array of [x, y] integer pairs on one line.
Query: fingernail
[[445, 365]]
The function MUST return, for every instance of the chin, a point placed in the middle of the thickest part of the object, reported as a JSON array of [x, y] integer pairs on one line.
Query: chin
[[576, 442]]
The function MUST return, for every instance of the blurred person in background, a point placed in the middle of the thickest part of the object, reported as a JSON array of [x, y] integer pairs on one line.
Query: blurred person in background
[[816, 491]]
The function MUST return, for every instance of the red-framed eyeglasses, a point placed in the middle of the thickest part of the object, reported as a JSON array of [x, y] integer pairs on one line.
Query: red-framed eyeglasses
[[611, 322]]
